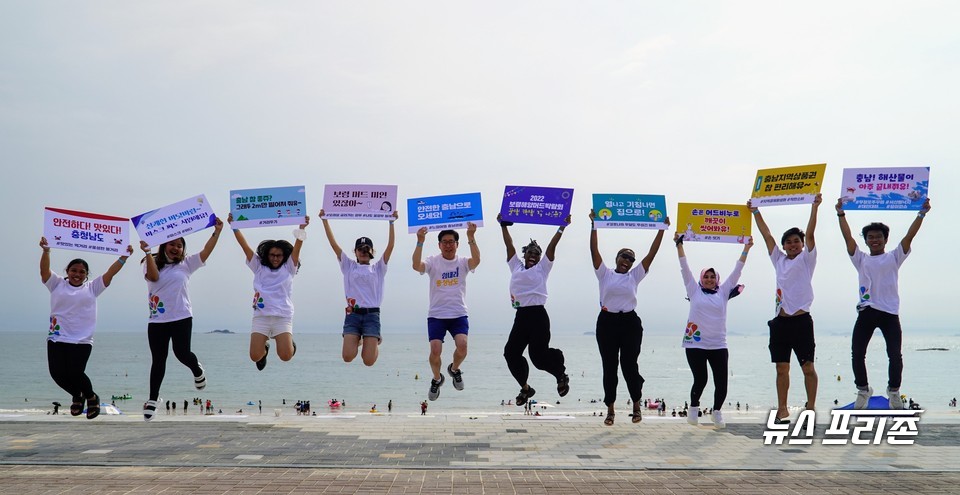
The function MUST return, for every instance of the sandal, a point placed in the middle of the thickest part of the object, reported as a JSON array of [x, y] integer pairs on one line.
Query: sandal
[[524, 395], [76, 408], [609, 419], [563, 385], [636, 417], [93, 407], [782, 421]]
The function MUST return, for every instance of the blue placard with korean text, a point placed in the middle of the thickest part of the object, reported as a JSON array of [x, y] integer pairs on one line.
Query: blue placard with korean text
[[268, 207], [538, 205], [629, 211], [172, 221], [452, 211], [895, 188]]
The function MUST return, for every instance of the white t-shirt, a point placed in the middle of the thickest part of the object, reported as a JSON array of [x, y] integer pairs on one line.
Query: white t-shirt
[[73, 310], [362, 284], [448, 286], [794, 280], [707, 321], [272, 289], [168, 297], [528, 287], [879, 277], [618, 291]]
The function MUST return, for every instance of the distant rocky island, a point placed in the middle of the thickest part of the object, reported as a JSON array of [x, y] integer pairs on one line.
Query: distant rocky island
[[222, 331]]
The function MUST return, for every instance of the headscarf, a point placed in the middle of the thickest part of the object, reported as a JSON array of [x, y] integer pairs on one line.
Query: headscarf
[[734, 292]]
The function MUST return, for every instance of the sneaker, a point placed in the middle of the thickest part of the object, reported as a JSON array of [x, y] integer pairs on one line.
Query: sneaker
[[435, 388], [563, 385], [262, 363], [200, 381], [863, 397], [149, 410], [718, 420], [693, 416], [524, 395], [896, 403], [457, 377]]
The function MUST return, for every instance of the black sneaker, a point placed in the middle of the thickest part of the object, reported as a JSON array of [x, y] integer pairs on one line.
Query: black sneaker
[[435, 388], [563, 385], [457, 377], [524, 395], [200, 382], [262, 363]]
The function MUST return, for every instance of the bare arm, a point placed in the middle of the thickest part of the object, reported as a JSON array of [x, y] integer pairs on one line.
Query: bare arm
[[812, 223], [212, 241], [746, 250], [298, 244], [762, 227], [915, 227], [153, 273], [594, 248], [550, 253], [474, 249], [390, 238], [337, 250], [44, 261], [507, 239], [115, 267], [845, 229], [654, 248], [241, 240], [418, 264]]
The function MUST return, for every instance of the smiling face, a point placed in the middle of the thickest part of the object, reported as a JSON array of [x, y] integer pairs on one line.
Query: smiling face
[[875, 241], [625, 259], [448, 247], [363, 254], [275, 257], [708, 280], [76, 274], [173, 250], [793, 245], [531, 257]]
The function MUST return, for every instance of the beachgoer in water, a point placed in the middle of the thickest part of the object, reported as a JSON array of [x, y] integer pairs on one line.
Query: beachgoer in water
[[791, 329], [168, 274], [363, 289], [531, 324], [879, 304], [705, 337], [448, 307], [619, 329], [73, 319], [274, 264]]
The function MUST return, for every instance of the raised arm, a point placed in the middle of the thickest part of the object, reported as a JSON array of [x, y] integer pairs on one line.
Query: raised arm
[[212, 241], [507, 239], [474, 249], [390, 238], [44, 260], [654, 248], [810, 238], [552, 247], [689, 283], [845, 229], [298, 244], [332, 240], [153, 273], [115, 267], [241, 240], [762, 227], [594, 248], [746, 250], [915, 227], [418, 264]]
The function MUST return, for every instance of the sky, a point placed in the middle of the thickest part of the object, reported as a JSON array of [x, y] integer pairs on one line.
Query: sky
[[123, 107]]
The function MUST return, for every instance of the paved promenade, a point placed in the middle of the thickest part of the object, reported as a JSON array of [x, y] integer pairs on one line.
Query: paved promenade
[[398, 453]]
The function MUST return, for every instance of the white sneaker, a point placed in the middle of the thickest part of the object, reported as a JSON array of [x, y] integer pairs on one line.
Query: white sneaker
[[863, 397], [693, 416], [718, 420], [896, 403]]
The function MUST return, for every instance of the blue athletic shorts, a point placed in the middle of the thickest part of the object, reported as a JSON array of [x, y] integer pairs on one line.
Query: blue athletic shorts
[[437, 328]]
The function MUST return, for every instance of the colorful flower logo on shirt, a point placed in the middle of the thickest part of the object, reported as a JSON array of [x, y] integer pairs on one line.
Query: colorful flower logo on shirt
[[54, 326], [156, 305], [514, 302], [864, 295], [692, 333], [351, 305], [257, 301]]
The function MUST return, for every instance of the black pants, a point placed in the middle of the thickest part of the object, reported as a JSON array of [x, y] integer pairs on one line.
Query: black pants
[[698, 359], [868, 320], [531, 327], [619, 336], [160, 335], [68, 365]]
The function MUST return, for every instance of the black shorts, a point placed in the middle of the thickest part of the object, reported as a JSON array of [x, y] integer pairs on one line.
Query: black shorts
[[792, 333]]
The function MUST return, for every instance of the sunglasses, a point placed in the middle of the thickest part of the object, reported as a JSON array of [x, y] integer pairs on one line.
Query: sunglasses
[[628, 257]]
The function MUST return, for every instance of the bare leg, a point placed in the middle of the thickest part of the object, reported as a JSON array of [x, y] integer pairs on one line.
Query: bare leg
[[810, 381], [461, 352], [285, 346], [258, 342], [783, 386], [371, 350], [436, 347], [351, 345]]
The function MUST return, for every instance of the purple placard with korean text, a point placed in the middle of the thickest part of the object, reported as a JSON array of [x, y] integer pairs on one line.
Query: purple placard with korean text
[[537, 205]]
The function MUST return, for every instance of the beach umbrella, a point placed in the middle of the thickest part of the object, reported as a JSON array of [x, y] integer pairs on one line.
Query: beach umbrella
[[57, 404]]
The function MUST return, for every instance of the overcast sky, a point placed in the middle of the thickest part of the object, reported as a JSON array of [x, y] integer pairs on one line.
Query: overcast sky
[[123, 107]]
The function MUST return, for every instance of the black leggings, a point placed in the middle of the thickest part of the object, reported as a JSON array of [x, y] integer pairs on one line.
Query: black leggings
[[619, 336], [531, 327], [159, 335], [698, 359], [868, 320], [68, 364]]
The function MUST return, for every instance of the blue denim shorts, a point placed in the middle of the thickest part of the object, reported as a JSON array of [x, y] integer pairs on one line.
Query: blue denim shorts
[[367, 325], [437, 327]]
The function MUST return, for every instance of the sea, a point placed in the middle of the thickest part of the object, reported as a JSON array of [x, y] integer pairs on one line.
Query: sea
[[120, 366]]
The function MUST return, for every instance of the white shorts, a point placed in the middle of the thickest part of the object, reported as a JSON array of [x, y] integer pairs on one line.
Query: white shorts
[[271, 326]]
